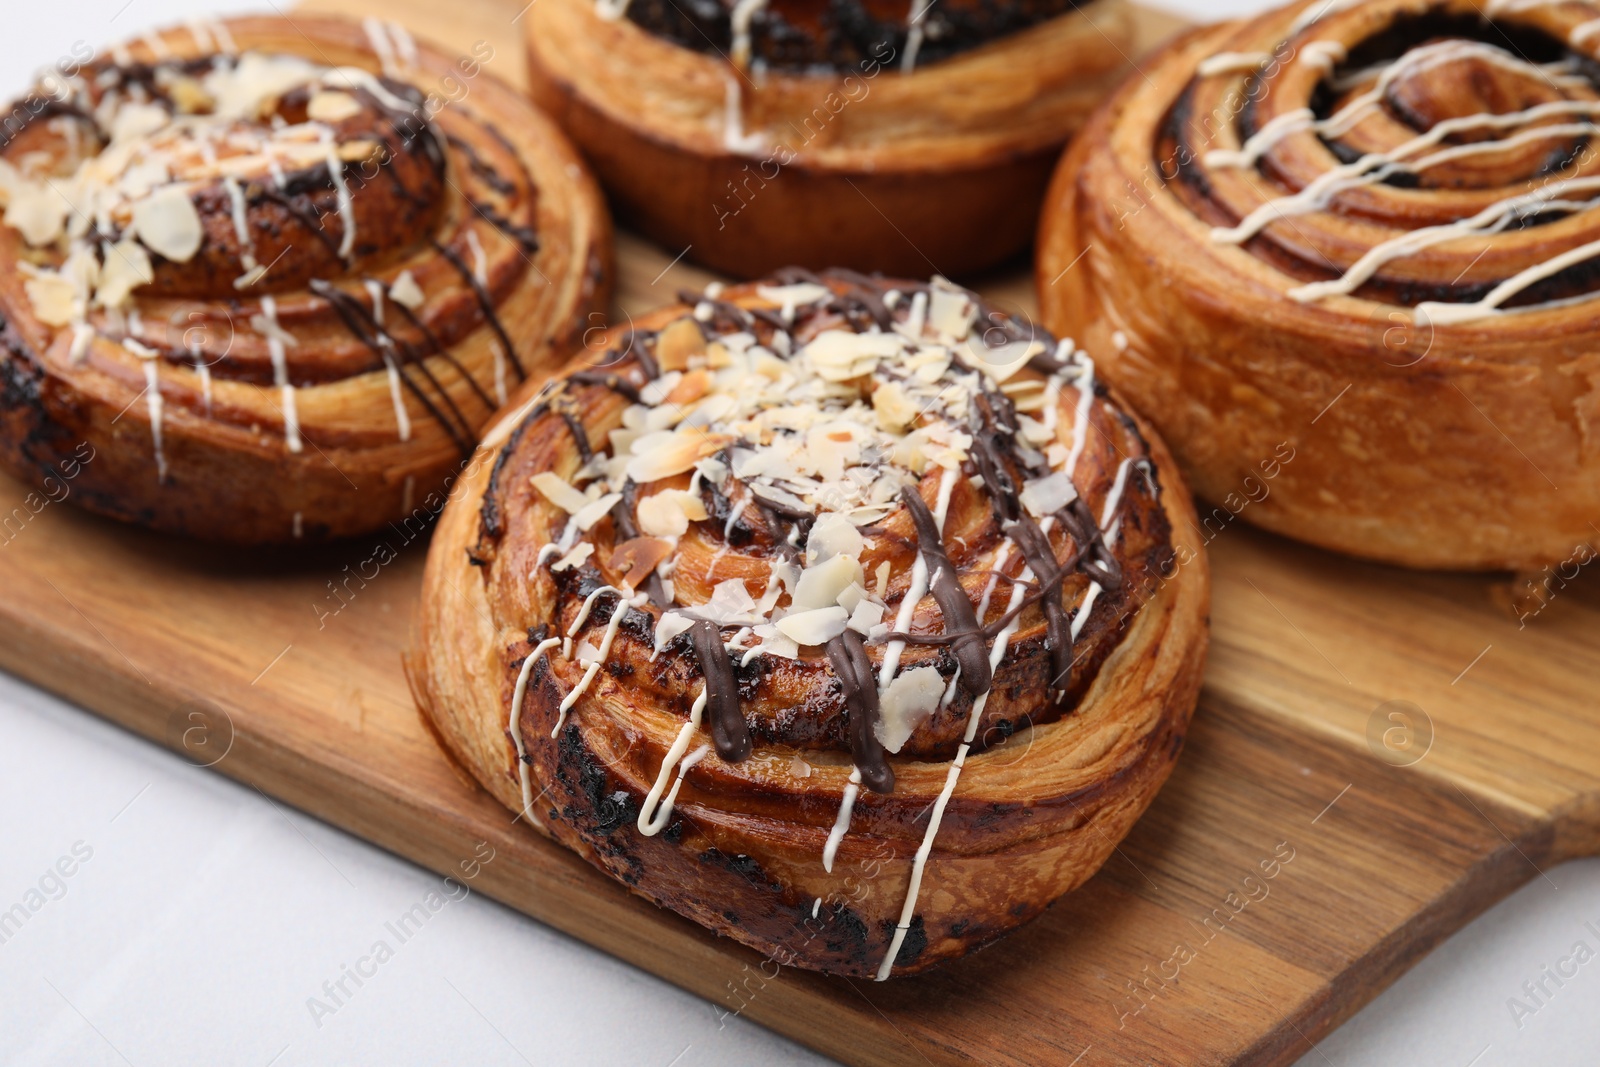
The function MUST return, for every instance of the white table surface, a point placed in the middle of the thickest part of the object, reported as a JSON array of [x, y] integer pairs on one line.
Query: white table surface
[[206, 915]]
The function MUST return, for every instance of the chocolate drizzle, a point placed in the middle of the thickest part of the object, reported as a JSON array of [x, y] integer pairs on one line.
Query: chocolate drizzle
[[728, 728], [960, 621], [485, 304], [848, 654], [996, 456], [364, 327]]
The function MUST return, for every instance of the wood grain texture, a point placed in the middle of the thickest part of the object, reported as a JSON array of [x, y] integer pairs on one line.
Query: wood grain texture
[[290, 665]]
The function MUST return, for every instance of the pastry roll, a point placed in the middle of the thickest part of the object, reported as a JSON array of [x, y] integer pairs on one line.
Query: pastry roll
[[1344, 256], [272, 279], [892, 135], [849, 618]]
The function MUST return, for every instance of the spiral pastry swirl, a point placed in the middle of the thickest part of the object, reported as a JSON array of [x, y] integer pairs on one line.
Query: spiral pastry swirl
[[1364, 231], [814, 575], [271, 283]]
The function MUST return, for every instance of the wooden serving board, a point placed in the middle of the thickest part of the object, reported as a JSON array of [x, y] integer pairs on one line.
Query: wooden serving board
[[1287, 873]]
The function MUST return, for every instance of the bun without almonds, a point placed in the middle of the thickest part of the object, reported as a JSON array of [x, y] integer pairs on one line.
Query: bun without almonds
[[1361, 230], [882, 135]]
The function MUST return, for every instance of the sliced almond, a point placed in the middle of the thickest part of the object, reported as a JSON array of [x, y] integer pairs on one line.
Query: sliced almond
[[330, 105], [820, 586], [668, 513], [37, 212], [662, 454], [894, 408], [594, 510], [638, 558], [833, 535], [693, 386], [678, 342], [407, 292], [358, 151], [168, 224], [1048, 495], [125, 267], [189, 95], [910, 701], [53, 297], [842, 355], [559, 492], [814, 627], [576, 558]]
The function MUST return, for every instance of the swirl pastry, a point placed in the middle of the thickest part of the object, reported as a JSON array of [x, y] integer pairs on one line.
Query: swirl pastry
[[873, 134], [849, 618], [1364, 232], [272, 282]]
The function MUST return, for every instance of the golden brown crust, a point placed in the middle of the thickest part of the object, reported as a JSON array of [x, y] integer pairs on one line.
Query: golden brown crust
[[486, 169], [1442, 435], [1036, 810], [864, 167]]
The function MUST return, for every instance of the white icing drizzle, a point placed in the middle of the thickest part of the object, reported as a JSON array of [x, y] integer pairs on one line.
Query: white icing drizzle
[[805, 431], [654, 813], [1456, 314], [1491, 219], [203, 369], [1232, 63], [347, 212], [156, 44], [743, 12], [1347, 117], [1109, 529], [298, 525], [919, 588], [280, 373], [622, 609], [611, 10], [1324, 55], [405, 46], [515, 723], [241, 221], [153, 402], [480, 259], [480, 273], [920, 862], [1374, 167], [224, 36], [201, 36], [1080, 426], [588, 601], [734, 139], [402, 419], [1312, 15], [914, 34], [841, 823], [378, 38]]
